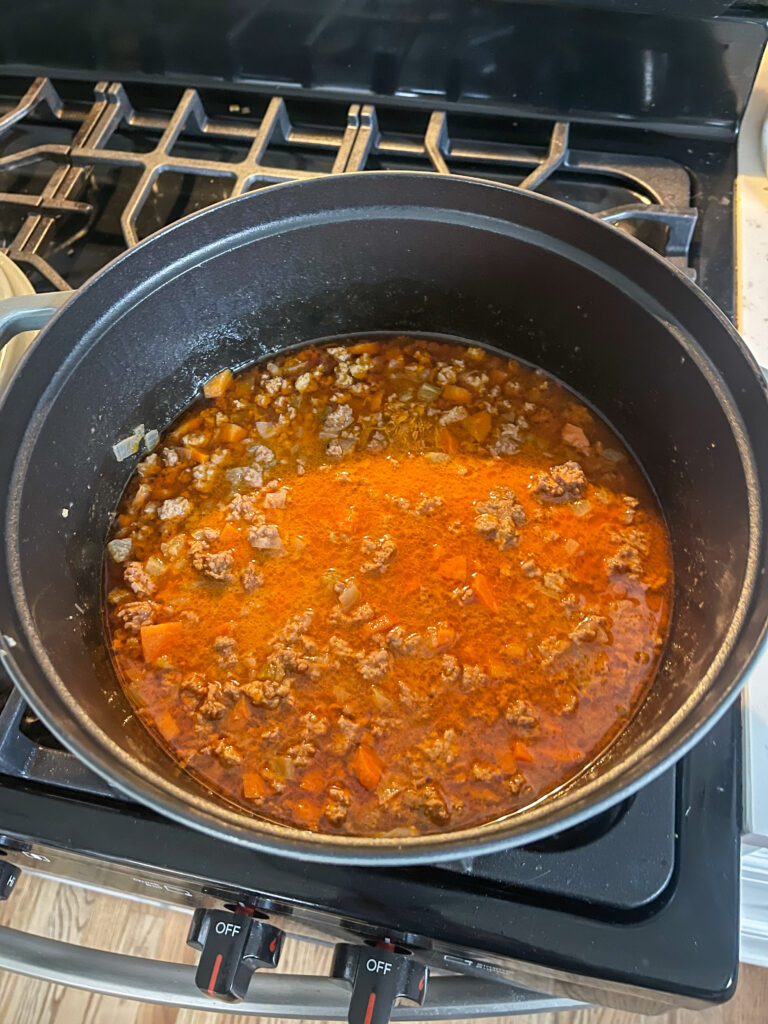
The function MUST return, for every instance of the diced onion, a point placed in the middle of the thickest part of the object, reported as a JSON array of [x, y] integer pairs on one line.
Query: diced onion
[[428, 392], [380, 699], [150, 440], [172, 548], [155, 566], [127, 447], [283, 767], [612, 455], [120, 548], [349, 596]]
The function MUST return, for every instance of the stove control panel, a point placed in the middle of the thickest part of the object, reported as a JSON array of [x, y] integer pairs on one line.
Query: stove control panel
[[378, 976], [233, 946]]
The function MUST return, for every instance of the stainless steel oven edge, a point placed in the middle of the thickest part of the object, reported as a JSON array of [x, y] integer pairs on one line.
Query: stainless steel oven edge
[[465, 982]]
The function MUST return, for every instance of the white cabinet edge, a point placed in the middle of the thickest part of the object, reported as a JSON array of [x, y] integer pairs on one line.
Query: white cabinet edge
[[755, 746], [754, 906], [751, 225]]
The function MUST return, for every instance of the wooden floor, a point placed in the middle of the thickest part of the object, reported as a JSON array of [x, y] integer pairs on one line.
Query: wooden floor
[[106, 922]]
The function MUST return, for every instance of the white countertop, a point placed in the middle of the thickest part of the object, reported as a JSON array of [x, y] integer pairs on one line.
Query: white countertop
[[752, 321]]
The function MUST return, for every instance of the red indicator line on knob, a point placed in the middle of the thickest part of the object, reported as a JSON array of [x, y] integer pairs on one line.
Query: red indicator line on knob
[[272, 945], [421, 985], [215, 973], [369, 1010]]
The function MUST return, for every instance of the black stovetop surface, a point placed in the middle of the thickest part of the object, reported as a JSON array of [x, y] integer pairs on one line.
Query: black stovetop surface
[[646, 894]]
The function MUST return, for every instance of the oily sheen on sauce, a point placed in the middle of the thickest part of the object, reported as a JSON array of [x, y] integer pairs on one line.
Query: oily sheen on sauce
[[386, 585]]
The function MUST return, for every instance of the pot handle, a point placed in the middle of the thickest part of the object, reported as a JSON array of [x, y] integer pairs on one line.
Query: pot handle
[[29, 313]]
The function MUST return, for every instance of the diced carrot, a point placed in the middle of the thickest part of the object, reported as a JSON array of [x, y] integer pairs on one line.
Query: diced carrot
[[483, 591], [514, 651], [160, 639], [254, 787], [484, 794], [197, 455], [217, 385], [506, 760], [497, 376], [186, 427], [376, 399], [410, 586], [453, 569], [349, 523], [314, 781], [459, 395], [522, 753], [497, 669], [448, 441], [379, 625], [367, 766], [229, 534], [240, 714], [231, 433], [442, 637], [565, 755], [478, 426], [365, 348], [308, 812], [168, 726]]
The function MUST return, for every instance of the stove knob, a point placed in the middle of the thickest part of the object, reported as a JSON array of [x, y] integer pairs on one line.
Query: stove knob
[[377, 976], [9, 875], [233, 947]]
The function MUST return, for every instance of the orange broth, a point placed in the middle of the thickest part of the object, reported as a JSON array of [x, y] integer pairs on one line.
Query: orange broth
[[390, 585]]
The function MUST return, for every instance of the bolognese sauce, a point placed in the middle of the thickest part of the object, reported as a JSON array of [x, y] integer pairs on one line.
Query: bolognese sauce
[[389, 585]]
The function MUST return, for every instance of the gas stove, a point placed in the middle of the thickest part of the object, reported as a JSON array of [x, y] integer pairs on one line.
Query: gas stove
[[638, 907]]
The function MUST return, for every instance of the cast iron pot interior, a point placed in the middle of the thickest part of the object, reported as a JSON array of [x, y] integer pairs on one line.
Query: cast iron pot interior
[[382, 252]]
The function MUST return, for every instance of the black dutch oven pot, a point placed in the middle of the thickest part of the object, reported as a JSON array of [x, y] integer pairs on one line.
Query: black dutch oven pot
[[374, 252]]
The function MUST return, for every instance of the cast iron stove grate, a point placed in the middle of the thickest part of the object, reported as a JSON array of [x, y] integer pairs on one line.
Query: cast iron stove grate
[[109, 169]]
